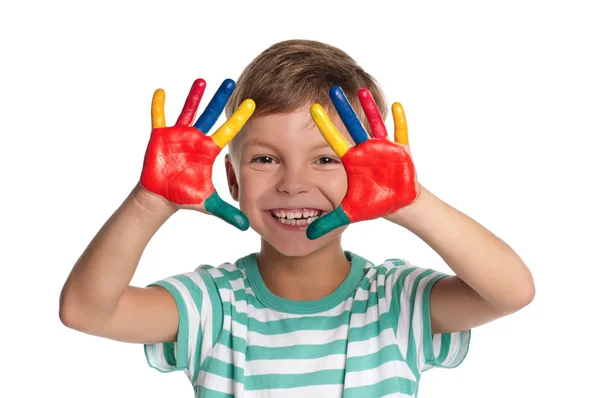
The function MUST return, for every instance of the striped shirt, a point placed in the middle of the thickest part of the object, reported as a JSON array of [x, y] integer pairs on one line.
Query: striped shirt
[[371, 337]]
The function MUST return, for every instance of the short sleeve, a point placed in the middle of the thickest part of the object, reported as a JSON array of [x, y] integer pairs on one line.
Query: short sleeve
[[408, 290], [200, 322]]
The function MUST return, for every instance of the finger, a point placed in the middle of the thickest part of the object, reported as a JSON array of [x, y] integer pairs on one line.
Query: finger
[[218, 207], [234, 124], [400, 128], [209, 117], [347, 114], [327, 223], [372, 112], [158, 109], [191, 103], [328, 130]]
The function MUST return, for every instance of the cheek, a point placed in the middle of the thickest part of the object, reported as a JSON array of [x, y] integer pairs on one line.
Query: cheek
[[335, 185], [252, 187]]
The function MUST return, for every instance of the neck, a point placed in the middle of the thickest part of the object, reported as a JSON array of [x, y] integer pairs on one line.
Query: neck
[[303, 278]]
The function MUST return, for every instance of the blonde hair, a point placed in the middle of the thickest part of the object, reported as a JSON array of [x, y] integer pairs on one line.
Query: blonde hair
[[294, 73]]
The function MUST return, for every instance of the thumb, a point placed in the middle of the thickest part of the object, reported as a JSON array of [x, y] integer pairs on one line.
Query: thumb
[[327, 223], [218, 207]]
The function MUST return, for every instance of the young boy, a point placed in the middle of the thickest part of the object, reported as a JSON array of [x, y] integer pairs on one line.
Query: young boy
[[302, 317]]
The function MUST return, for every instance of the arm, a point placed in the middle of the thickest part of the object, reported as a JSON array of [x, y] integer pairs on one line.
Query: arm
[[177, 174], [491, 280], [97, 298]]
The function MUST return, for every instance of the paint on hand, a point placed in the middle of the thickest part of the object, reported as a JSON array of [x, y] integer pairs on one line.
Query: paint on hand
[[179, 160], [381, 174]]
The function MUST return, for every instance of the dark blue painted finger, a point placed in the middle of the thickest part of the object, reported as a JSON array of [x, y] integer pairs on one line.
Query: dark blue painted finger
[[347, 114], [209, 117]]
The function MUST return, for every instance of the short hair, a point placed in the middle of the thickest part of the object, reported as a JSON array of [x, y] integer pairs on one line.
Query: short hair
[[294, 73]]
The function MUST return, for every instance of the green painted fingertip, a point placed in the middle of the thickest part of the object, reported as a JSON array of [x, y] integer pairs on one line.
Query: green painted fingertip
[[327, 223], [217, 206]]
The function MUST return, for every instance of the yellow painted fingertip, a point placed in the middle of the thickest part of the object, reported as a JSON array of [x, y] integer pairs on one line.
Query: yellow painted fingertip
[[234, 124], [400, 128], [331, 134], [158, 109]]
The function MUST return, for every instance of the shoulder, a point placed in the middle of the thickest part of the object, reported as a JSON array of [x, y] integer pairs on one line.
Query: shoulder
[[238, 265], [226, 272], [381, 275], [397, 273], [389, 267]]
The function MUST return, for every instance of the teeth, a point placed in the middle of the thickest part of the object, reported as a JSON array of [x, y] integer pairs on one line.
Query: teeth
[[294, 214], [295, 217], [299, 221]]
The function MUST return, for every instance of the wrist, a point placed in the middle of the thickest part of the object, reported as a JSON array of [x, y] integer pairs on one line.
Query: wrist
[[151, 204], [406, 214]]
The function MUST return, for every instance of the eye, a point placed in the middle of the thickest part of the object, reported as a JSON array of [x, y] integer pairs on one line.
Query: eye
[[327, 160], [263, 160]]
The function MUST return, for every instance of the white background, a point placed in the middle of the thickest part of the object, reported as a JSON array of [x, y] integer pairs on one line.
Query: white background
[[502, 106]]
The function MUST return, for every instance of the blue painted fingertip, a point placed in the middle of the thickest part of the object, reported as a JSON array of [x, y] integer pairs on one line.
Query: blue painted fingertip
[[348, 115], [215, 107]]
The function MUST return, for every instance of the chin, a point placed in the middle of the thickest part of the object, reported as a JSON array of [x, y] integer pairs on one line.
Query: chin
[[297, 244], [290, 240], [294, 249]]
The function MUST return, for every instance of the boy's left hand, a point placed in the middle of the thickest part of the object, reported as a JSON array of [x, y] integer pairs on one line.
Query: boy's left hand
[[381, 174]]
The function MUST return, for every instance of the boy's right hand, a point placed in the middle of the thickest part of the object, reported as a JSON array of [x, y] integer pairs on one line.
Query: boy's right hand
[[179, 159]]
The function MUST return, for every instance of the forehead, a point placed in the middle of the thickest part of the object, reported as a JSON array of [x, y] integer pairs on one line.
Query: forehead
[[295, 128]]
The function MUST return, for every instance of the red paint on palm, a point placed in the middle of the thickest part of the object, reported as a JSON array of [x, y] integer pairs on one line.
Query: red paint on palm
[[381, 179], [178, 164]]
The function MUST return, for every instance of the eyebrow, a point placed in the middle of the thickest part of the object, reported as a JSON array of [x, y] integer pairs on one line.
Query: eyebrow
[[257, 142], [321, 146]]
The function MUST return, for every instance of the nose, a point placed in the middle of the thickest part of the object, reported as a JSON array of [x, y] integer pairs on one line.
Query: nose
[[293, 180]]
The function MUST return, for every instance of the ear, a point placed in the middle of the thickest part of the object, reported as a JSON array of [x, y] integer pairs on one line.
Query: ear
[[231, 178]]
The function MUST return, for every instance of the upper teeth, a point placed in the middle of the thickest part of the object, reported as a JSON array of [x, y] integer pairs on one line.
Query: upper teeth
[[291, 214]]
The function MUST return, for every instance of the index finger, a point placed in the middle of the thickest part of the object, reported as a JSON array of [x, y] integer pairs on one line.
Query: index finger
[[331, 134], [234, 124]]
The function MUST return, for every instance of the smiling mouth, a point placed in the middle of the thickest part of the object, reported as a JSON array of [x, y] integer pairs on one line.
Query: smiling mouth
[[301, 216]]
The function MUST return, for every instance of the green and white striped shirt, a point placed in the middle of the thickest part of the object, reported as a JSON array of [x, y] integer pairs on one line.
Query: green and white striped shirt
[[371, 337]]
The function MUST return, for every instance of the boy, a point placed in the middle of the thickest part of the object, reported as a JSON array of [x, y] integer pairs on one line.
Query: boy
[[302, 316]]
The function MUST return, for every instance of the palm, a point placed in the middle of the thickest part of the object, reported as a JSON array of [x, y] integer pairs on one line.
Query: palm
[[381, 174], [381, 179], [179, 159], [178, 164]]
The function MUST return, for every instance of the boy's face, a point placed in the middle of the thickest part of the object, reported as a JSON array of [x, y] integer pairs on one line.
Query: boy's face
[[284, 176]]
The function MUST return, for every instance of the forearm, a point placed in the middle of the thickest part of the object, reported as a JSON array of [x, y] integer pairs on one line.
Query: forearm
[[106, 267], [479, 258]]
